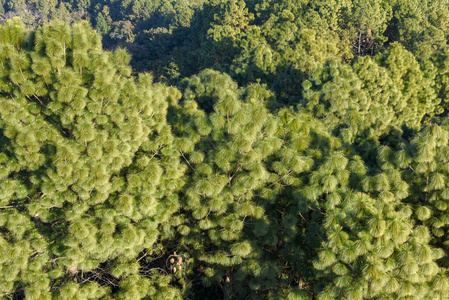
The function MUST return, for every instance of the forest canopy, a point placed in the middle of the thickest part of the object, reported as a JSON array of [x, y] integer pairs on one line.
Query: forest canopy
[[258, 149]]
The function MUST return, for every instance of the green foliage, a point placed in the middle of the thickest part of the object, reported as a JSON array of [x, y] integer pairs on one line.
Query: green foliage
[[390, 91], [76, 161], [294, 150]]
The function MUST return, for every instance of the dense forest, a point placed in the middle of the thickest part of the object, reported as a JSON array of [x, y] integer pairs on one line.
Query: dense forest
[[224, 149]]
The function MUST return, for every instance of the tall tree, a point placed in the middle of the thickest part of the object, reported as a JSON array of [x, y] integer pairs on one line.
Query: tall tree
[[84, 167]]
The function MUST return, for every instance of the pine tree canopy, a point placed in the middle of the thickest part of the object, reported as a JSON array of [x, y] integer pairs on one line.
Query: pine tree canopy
[[224, 149]]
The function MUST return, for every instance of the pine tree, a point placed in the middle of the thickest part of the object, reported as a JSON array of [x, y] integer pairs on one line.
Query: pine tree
[[301, 167], [74, 198]]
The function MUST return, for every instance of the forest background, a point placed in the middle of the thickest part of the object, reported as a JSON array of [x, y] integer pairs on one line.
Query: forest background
[[259, 149]]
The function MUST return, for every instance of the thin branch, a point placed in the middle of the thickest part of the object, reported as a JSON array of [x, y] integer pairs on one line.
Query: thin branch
[[10, 206], [235, 173], [286, 174], [143, 256], [211, 143], [182, 154]]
